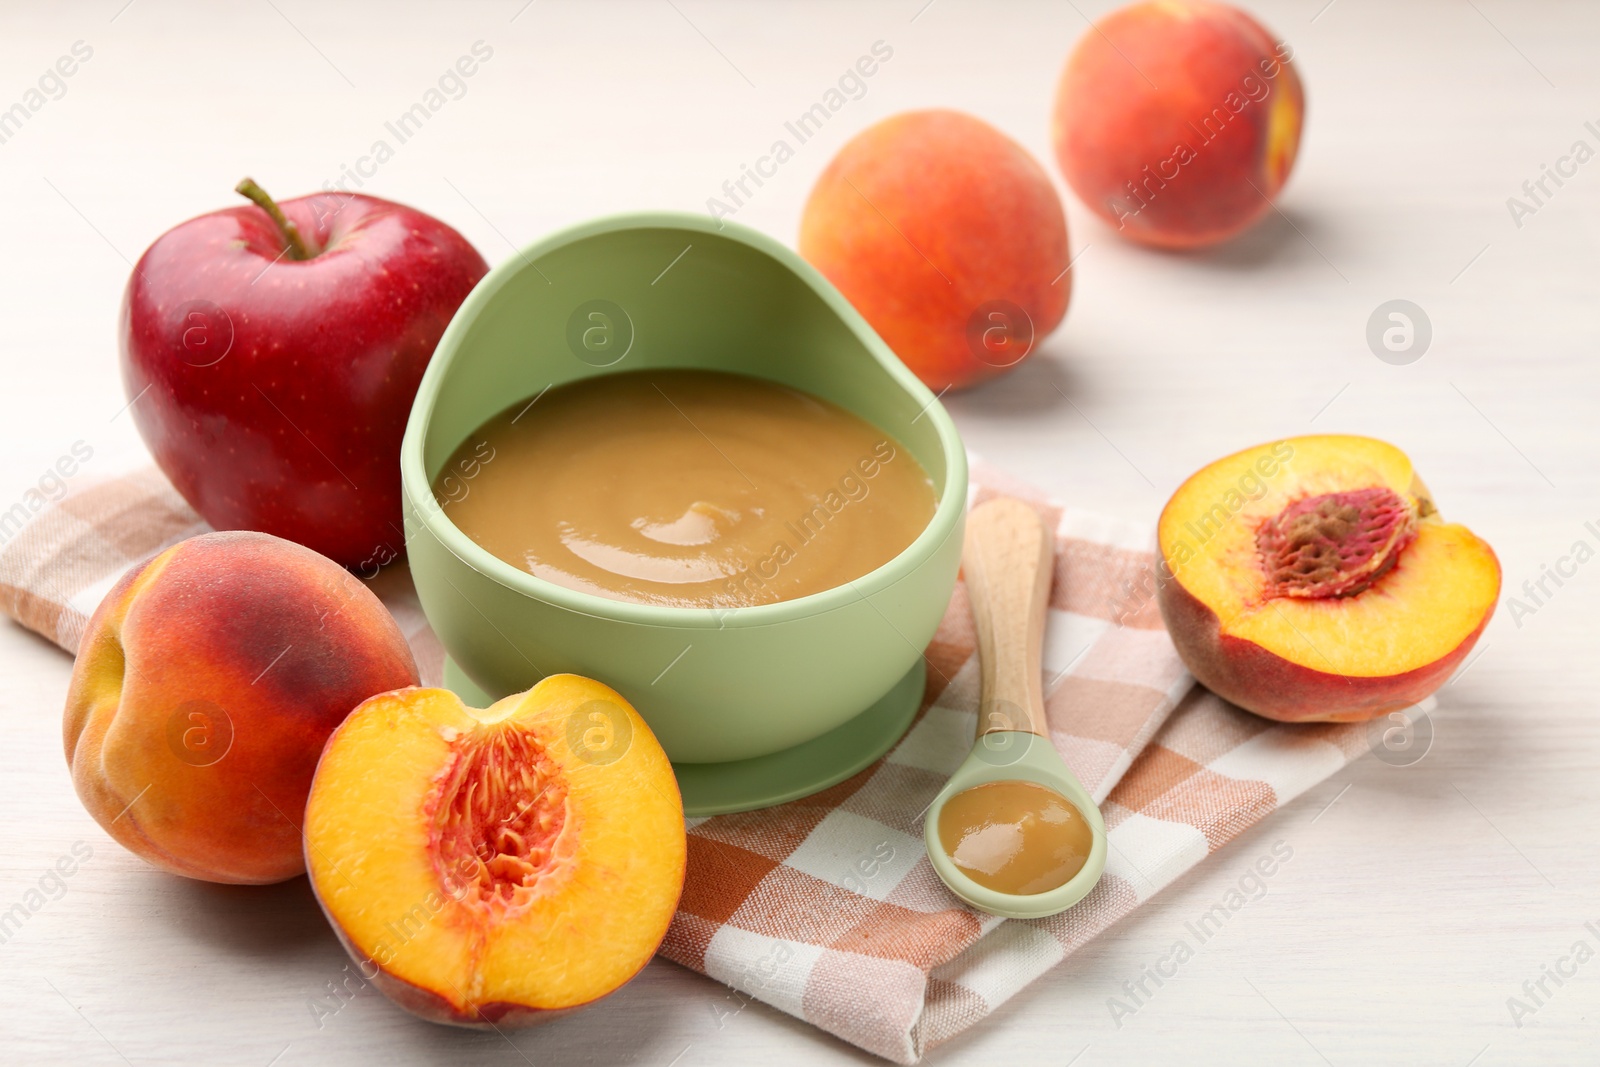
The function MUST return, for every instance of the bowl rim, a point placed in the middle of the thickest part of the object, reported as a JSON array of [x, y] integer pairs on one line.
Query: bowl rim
[[416, 487]]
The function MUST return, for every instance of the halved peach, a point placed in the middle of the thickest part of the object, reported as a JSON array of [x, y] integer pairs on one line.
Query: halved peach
[[497, 867], [1313, 579]]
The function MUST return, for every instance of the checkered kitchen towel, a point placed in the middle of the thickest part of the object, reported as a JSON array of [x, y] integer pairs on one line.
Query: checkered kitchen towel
[[827, 907]]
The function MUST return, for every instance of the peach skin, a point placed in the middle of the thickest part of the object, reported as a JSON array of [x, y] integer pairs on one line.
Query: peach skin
[[949, 239], [206, 684], [1178, 121]]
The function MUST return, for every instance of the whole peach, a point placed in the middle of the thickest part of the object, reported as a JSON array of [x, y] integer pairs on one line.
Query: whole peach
[[1178, 121], [949, 239], [207, 682]]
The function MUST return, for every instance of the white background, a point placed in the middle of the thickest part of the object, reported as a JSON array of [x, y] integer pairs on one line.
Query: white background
[[1418, 899]]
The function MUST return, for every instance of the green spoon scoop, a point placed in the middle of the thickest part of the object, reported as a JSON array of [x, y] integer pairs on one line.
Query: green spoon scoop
[[1008, 560]]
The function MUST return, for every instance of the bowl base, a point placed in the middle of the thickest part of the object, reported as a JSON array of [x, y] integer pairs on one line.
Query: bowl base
[[779, 777]]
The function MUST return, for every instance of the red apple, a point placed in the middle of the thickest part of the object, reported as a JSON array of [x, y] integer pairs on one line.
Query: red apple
[[271, 353]]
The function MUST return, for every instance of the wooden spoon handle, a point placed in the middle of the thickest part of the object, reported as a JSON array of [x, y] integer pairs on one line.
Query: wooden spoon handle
[[1008, 560]]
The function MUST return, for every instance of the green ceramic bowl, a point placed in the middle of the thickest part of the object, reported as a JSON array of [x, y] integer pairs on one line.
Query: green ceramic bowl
[[676, 290]]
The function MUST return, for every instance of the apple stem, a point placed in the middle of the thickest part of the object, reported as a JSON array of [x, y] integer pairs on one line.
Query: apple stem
[[299, 247]]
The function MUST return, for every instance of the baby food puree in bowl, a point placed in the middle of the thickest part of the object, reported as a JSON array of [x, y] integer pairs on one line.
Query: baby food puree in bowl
[[663, 452]]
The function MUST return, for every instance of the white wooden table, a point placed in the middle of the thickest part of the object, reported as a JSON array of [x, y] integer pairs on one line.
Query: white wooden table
[[1418, 900]]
